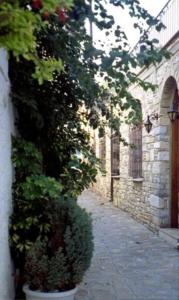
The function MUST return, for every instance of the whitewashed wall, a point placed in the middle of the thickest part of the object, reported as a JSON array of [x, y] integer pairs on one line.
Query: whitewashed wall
[[6, 174]]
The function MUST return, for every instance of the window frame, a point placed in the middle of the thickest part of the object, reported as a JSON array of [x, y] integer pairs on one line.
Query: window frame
[[102, 152], [115, 154], [135, 152]]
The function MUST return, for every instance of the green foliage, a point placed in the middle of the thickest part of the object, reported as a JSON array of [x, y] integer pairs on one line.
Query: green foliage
[[40, 187], [52, 111], [60, 262], [27, 159], [45, 69], [50, 116], [31, 215], [33, 194], [18, 27], [79, 173], [49, 5]]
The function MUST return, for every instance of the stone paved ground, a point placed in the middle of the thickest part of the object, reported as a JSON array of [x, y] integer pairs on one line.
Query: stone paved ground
[[130, 262]]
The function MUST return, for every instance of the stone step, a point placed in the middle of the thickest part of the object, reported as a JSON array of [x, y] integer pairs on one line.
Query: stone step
[[170, 235]]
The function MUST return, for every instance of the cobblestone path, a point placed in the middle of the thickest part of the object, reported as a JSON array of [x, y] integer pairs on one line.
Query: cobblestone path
[[130, 262]]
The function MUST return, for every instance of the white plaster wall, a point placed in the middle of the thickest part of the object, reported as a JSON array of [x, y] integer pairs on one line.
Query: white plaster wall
[[6, 174]]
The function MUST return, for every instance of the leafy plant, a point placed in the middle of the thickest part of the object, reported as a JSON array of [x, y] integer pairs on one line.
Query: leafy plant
[[55, 116], [79, 173], [19, 23], [26, 158], [60, 263], [31, 214], [33, 193], [60, 110]]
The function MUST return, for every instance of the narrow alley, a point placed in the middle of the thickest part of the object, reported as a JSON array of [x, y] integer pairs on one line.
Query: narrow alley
[[130, 262]]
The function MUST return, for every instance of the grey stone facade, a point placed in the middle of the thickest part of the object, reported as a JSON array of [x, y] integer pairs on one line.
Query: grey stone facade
[[148, 199]]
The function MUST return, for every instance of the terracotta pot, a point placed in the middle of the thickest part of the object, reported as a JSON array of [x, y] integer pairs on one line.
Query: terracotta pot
[[37, 295]]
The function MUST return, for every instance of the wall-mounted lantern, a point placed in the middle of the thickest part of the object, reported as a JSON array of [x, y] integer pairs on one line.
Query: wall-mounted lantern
[[173, 112], [148, 124]]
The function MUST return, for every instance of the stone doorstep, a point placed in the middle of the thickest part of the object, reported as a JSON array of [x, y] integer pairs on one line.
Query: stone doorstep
[[170, 235]]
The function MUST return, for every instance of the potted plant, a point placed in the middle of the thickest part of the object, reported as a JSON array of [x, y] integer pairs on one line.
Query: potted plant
[[54, 267], [50, 235]]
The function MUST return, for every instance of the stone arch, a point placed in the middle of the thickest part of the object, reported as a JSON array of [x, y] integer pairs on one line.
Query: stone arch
[[167, 96], [168, 92]]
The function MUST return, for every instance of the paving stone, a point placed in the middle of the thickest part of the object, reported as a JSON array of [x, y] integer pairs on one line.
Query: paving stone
[[102, 294], [130, 262], [82, 295]]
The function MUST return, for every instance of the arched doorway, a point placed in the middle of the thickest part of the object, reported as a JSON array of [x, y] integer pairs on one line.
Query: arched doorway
[[169, 98]]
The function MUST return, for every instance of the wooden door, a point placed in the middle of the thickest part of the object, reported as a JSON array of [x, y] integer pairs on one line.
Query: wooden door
[[175, 168]]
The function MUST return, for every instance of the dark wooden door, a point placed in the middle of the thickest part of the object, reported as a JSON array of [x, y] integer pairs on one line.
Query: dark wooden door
[[175, 168]]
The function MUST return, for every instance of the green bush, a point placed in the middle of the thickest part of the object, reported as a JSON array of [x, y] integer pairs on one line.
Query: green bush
[[60, 262], [44, 210], [32, 211]]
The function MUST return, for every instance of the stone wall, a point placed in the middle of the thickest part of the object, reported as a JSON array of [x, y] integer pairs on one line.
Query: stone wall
[[103, 184], [148, 199], [6, 174]]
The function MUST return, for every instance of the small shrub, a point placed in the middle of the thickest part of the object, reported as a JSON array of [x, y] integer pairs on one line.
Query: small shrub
[[60, 262]]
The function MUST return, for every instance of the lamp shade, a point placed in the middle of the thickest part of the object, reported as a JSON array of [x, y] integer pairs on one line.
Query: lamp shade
[[148, 124]]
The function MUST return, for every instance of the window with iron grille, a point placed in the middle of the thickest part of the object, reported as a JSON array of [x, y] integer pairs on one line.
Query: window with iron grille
[[102, 152], [135, 151], [115, 153]]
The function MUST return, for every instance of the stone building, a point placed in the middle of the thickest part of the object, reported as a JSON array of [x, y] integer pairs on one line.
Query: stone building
[[144, 181]]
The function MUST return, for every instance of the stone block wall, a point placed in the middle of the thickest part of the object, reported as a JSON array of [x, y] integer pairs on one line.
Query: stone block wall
[[6, 175], [148, 199], [103, 184]]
